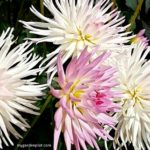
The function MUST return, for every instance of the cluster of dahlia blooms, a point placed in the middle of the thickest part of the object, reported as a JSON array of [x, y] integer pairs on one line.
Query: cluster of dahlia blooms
[[103, 88]]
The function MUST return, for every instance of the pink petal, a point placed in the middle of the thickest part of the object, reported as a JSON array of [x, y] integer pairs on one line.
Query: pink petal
[[68, 127], [98, 131], [77, 129], [96, 145], [87, 127], [56, 93], [60, 70], [67, 108], [141, 33], [76, 141], [58, 117], [82, 142], [88, 138], [56, 136], [67, 140]]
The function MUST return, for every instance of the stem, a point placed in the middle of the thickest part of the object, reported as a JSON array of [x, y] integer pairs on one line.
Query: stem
[[42, 7], [9, 12], [19, 13], [134, 16], [114, 4], [42, 12], [34, 121]]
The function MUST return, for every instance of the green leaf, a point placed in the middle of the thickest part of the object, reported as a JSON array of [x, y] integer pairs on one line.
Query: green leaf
[[132, 3], [147, 6]]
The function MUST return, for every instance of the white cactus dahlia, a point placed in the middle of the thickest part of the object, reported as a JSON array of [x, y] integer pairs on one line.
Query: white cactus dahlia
[[76, 24], [18, 91], [134, 119]]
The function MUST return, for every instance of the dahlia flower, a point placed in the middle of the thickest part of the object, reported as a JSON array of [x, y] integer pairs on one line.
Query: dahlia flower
[[85, 101], [134, 118], [18, 91], [76, 24]]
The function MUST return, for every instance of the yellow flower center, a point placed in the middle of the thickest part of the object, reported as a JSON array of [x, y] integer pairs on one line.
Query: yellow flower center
[[87, 37], [134, 94], [77, 93], [73, 86]]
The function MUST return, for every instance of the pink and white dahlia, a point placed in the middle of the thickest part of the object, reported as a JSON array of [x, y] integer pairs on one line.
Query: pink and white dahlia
[[18, 90], [76, 24], [85, 103]]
